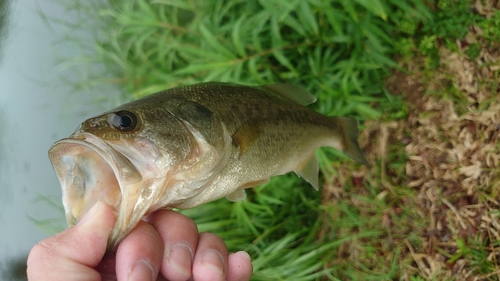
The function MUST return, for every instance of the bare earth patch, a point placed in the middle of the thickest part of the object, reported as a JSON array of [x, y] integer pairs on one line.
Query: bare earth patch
[[439, 213]]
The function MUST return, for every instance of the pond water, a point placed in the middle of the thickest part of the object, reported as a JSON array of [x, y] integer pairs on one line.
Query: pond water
[[36, 108]]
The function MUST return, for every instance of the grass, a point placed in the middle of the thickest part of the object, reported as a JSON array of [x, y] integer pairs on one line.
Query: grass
[[380, 223], [4, 9], [336, 49]]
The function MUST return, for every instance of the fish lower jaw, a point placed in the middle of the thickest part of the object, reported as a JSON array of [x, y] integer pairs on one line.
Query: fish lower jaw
[[85, 189], [89, 171]]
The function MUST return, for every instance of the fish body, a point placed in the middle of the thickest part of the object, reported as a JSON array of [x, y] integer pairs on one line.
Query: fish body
[[190, 145]]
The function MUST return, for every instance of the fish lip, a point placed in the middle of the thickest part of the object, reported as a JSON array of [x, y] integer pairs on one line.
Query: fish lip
[[73, 159]]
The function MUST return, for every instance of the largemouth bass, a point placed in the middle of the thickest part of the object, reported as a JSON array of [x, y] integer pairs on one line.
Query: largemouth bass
[[187, 146]]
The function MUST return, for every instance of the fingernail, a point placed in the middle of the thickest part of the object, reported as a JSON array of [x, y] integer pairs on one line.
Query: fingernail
[[91, 213], [142, 270], [213, 260], [180, 257], [244, 255]]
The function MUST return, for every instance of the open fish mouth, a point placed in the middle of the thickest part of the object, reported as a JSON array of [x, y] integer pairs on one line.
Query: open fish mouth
[[91, 170]]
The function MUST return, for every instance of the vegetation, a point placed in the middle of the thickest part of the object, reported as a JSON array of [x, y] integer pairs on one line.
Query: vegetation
[[4, 7], [386, 62]]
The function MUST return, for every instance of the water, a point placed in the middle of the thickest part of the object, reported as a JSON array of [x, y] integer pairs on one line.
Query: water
[[36, 109]]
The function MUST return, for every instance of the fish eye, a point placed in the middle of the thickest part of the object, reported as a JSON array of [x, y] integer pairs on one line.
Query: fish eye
[[123, 120]]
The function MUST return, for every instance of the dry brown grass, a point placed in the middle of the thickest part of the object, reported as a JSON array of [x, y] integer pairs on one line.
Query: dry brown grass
[[441, 208]]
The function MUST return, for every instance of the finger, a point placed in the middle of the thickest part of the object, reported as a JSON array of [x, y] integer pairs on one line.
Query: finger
[[139, 255], [73, 253], [239, 267], [210, 258], [180, 238]]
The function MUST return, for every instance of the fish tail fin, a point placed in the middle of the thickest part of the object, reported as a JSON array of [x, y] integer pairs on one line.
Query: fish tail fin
[[349, 130]]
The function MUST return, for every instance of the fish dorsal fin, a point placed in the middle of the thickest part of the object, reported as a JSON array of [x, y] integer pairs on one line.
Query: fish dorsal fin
[[291, 92], [309, 170], [237, 195], [246, 134]]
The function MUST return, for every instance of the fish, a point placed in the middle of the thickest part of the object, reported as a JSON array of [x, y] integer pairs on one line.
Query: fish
[[186, 146]]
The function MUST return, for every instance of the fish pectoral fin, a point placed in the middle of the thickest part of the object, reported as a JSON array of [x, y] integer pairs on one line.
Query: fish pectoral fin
[[247, 134], [309, 170], [291, 92], [350, 132], [237, 195]]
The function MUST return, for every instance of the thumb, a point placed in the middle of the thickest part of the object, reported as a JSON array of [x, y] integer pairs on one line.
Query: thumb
[[75, 251]]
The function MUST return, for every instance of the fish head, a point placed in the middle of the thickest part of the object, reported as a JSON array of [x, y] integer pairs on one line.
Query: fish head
[[126, 158]]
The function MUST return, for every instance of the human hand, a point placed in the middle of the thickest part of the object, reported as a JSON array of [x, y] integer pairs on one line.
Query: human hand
[[169, 244]]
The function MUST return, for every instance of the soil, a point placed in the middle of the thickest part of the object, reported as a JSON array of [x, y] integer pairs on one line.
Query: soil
[[449, 144]]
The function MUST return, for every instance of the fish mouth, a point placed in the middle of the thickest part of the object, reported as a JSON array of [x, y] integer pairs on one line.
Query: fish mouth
[[91, 170]]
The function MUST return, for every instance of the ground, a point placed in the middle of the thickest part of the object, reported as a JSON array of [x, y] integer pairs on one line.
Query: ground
[[436, 211]]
